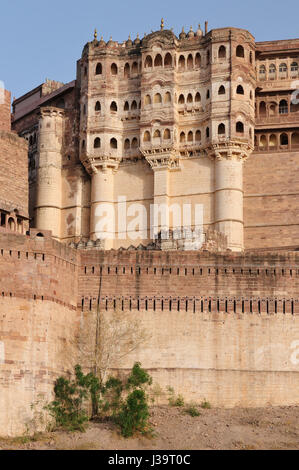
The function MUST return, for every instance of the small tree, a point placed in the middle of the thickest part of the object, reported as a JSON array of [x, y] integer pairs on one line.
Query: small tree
[[128, 401], [67, 407]]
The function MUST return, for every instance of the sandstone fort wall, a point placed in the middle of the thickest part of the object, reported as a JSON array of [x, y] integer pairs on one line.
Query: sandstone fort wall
[[221, 326]]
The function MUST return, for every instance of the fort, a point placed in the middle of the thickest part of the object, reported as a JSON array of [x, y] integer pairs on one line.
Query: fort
[[208, 118]]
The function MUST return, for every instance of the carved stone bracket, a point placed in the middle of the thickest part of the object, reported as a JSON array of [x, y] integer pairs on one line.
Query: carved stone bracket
[[229, 150], [51, 111], [94, 163], [162, 158]]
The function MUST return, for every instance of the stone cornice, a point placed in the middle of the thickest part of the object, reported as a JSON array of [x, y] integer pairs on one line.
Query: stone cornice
[[94, 163], [232, 149], [162, 158], [51, 111]]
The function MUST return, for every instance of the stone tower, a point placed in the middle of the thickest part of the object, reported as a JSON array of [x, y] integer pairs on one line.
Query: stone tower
[[174, 103]]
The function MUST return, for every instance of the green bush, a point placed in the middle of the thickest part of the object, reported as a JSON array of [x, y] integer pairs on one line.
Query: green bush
[[134, 414], [206, 404], [125, 402], [67, 407], [130, 412], [192, 411]]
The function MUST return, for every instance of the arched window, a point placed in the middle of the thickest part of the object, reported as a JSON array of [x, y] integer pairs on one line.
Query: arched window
[[190, 136], [222, 52], [240, 127], [11, 224], [166, 135], [97, 143], [146, 137], [147, 100], [127, 70], [240, 90], [221, 129], [272, 109], [190, 61], [197, 97], [134, 68], [294, 69], [283, 68], [134, 105], [198, 60], [273, 141], [114, 69], [207, 132], [83, 144], [134, 143], [158, 61], [283, 107], [113, 106], [127, 144], [157, 134], [240, 51], [181, 99], [84, 110], [99, 69], [263, 109], [113, 143], [167, 97], [208, 94], [262, 71], [182, 137], [198, 136], [221, 90], [189, 98], [148, 63], [126, 106], [263, 142], [19, 225], [284, 140], [168, 60], [97, 106], [157, 98], [272, 69], [181, 62]]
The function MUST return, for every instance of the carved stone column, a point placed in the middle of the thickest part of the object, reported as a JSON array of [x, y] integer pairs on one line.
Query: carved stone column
[[162, 161], [102, 169], [229, 157], [49, 179]]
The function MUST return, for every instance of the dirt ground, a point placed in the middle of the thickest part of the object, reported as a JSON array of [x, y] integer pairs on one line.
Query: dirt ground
[[248, 429]]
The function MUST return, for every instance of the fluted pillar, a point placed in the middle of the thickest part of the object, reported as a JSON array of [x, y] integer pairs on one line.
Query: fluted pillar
[[162, 162], [102, 214], [49, 178], [228, 190], [229, 201]]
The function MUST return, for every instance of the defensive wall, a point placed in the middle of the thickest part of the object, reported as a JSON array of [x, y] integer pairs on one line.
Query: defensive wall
[[220, 326]]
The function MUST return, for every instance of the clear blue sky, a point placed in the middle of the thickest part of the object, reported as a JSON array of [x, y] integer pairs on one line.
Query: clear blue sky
[[43, 39]]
